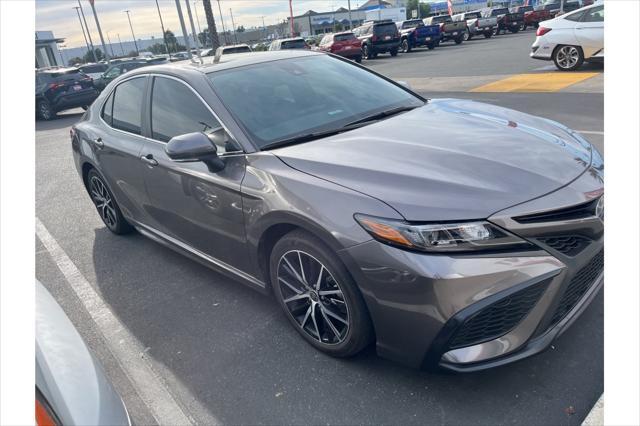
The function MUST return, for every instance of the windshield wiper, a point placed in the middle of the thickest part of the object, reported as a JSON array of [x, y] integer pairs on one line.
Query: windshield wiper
[[383, 114], [306, 137]]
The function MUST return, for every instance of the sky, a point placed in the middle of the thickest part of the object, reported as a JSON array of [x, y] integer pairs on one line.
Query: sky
[[60, 17]]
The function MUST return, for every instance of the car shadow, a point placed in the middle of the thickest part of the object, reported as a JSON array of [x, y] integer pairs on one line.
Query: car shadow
[[235, 352]]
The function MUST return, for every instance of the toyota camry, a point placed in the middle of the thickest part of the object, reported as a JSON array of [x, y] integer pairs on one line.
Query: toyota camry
[[450, 233]]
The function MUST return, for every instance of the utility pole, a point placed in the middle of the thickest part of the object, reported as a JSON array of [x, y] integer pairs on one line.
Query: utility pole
[[121, 48], [132, 34], [110, 45], [224, 31], [164, 38], [93, 49], [95, 16], [350, 22], [291, 15], [83, 34], [197, 18], [235, 35], [211, 24], [193, 31], [264, 29], [185, 35]]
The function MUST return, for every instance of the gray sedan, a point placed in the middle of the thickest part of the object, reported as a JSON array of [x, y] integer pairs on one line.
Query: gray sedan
[[451, 233]]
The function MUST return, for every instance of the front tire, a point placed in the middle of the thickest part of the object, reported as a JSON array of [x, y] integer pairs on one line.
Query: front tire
[[318, 295], [359, 59], [366, 52], [466, 35], [45, 111], [568, 58], [106, 204]]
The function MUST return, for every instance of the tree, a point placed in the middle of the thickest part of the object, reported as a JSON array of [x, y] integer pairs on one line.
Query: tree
[[211, 23], [88, 57], [157, 49], [171, 40], [76, 60], [413, 5], [240, 29], [132, 53]]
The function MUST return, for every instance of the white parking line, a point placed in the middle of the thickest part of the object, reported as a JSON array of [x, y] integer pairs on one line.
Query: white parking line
[[124, 346]]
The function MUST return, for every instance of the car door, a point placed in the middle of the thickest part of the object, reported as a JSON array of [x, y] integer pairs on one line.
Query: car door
[[590, 31], [187, 201], [118, 143]]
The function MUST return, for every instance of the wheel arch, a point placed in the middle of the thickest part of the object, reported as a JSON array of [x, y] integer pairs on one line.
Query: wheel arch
[[273, 226]]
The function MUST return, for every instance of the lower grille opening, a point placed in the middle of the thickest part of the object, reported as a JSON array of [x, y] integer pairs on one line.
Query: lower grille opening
[[570, 245], [499, 318], [578, 286]]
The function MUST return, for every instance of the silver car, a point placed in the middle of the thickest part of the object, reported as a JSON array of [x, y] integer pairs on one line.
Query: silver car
[[450, 233], [71, 387]]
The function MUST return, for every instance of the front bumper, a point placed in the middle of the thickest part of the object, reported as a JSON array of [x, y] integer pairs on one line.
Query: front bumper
[[476, 311]]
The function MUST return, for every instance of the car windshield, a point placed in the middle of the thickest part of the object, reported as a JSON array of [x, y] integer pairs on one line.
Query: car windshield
[[237, 49], [344, 37], [472, 15], [441, 19], [282, 99], [496, 12], [412, 24], [293, 44], [385, 29]]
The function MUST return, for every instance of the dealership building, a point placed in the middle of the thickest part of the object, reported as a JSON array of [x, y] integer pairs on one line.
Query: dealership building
[[47, 53]]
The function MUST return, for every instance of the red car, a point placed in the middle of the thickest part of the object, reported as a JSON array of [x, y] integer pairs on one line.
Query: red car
[[344, 44]]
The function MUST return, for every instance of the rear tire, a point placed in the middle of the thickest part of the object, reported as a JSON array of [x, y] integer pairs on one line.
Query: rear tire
[[405, 46], [431, 46], [45, 111], [106, 204], [359, 59], [488, 34], [514, 30], [336, 323], [568, 58], [459, 39], [394, 52]]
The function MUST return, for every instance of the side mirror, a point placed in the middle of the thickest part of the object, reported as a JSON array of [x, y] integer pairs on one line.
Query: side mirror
[[196, 147]]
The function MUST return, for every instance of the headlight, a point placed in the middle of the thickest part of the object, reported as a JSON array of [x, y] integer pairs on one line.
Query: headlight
[[444, 237]]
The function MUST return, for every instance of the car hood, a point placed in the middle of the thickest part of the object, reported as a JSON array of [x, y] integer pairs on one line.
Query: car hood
[[448, 160]]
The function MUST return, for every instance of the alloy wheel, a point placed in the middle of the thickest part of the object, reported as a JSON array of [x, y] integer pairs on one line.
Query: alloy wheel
[[567, 57], [103, 201], [313, 297], [45, 111], [465, 36], [404, 47]]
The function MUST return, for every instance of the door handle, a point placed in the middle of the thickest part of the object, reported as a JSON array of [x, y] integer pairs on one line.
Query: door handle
[[98, 142], [149, 160]]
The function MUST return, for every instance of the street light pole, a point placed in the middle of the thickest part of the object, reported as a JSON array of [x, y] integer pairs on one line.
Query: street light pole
[[193, 31], [110, 45], [235, 35], [197, 18], [95, 16], [350, 22], [134, 36], [224, 31], [164, 38], [185, 35], [120, 41], [83, 34], [93, 49]]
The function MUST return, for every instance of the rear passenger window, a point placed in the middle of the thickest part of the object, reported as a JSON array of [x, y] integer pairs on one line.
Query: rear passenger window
[[127, 105], [107, 110], [176, 110]]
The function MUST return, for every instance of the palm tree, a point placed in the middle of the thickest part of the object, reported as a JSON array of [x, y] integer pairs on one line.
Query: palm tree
[[211, 23]]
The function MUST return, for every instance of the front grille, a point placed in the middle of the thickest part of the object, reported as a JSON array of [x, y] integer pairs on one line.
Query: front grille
[[569, 245], [579, 211], [498, 318], [578, 286]]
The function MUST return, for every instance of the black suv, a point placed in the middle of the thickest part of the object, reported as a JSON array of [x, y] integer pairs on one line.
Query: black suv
[[378, 37], [118, 69], [58, 89]]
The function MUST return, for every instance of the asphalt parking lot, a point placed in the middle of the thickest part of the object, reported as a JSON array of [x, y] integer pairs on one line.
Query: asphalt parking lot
[[226, 354]]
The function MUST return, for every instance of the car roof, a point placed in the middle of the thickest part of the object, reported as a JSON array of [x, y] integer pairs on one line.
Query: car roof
[[58, 70], [226, 62]]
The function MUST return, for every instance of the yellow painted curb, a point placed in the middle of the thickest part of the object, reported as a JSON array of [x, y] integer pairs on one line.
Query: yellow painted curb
[[539, 82]]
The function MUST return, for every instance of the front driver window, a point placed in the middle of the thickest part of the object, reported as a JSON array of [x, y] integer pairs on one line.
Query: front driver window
[[176, 110], [594, 15]]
